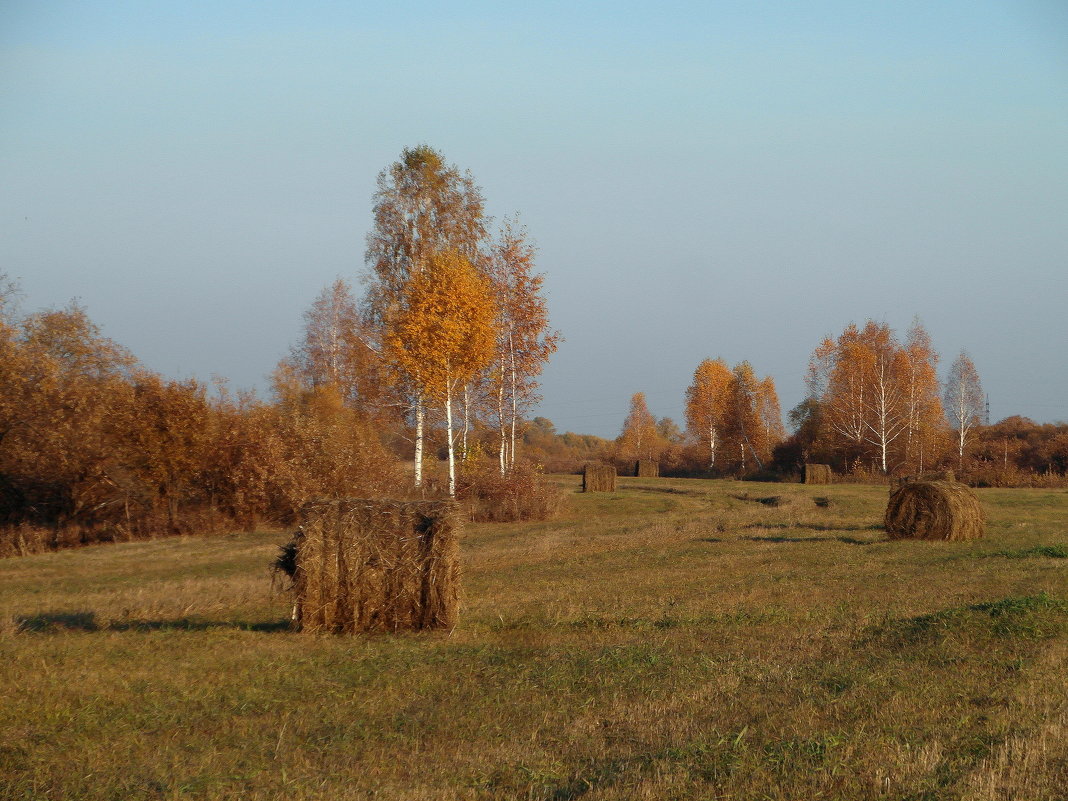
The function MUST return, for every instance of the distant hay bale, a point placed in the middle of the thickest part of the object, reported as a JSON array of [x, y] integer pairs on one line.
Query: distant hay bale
[[647, 468], [599, 478], [377, 566], [818, 474], [934, 510]]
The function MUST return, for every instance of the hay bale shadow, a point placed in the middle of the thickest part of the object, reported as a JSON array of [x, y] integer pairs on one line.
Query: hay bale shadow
[[57, 622]]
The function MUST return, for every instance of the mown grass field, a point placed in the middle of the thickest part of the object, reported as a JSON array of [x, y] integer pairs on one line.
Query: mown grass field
[[673, 640]]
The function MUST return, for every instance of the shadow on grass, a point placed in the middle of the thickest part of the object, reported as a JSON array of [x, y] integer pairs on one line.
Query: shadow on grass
[[817, 526], [846, 540], [62, 622]]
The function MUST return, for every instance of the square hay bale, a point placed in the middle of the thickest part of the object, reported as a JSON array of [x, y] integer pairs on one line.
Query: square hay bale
[[818, 474], [934, 510], [647, 468], [599, 478], [377, 566]]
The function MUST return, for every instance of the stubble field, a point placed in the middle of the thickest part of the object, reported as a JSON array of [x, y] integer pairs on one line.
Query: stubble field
[[678, 639]]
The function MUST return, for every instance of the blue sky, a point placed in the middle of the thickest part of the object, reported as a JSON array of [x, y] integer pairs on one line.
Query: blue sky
[[734, 179]]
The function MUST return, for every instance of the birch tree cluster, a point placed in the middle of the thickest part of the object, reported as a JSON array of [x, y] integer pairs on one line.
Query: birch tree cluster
[[447, 342], [733, 417], [876, 404]]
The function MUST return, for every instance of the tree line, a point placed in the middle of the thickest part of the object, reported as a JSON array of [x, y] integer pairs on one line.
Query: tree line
[[874, 407]]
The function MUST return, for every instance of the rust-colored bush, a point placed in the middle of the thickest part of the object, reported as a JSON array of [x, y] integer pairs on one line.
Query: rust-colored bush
[[522, 493]]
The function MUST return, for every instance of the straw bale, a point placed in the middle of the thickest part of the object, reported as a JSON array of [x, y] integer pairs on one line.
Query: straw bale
[[934, 510], [647, 468], [818, 474], [377, 566], [599, 478]]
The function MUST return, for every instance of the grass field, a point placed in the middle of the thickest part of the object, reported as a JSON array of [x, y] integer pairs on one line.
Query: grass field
[[674, 640]]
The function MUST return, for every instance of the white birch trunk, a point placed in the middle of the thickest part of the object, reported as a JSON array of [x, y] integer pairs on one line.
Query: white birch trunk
[[515, 401], [501, 425], [420, 414], [452, 451]]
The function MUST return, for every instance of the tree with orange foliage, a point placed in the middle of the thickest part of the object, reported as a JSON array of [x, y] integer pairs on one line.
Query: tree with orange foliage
[[639, 437], [422, 207], [925, 434], [524, 340], [443, 333], [707, 404], [875, 393]]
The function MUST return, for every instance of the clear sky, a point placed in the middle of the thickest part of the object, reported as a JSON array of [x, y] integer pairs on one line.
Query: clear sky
[[704, 179]]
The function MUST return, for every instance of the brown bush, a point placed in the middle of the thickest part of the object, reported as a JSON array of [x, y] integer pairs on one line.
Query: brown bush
[[934, 510], [520, 494], [377, 566]]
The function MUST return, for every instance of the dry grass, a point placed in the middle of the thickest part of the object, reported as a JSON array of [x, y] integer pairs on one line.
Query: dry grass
[[672, 640]]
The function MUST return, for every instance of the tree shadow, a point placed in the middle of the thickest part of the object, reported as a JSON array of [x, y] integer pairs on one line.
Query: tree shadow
[[846, 540], [62, 622]]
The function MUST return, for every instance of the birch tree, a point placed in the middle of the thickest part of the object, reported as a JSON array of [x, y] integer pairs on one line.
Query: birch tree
[[443, 333], [422, 207], [707, 402], [524, 339], [639, 435], [964, 401], [337, 349]]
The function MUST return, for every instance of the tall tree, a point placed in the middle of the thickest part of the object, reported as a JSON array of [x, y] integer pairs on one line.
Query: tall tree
[[707, 404], [524, 340], [422, 207], [746, 424], [964, 401], [638, 440], [926, 419], [442, 334]]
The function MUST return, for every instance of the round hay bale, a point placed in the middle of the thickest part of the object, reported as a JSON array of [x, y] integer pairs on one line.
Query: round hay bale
[[818, 474], [934, 510]]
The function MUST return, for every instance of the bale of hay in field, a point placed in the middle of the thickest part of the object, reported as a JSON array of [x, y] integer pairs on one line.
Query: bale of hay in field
[[934, 510], [646, 468], [818, 474], [599, 478], [377, 566]]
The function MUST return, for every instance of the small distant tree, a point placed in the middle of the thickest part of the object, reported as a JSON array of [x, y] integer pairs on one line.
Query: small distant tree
[[443, 334], [639, 437], [964, 401]]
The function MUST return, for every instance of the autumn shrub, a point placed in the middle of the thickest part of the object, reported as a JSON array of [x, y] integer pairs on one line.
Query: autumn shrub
[[520, 494], [274, 458]]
